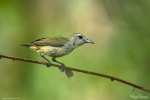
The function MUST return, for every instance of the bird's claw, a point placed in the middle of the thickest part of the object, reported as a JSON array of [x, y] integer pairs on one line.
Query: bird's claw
[[62, 68], [48, 64]]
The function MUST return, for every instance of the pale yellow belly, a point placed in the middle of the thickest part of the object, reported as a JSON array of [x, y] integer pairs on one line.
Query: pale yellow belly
[[50, 51]]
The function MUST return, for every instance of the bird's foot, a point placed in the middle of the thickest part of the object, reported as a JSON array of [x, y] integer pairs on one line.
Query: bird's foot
[[48, 64], [62, 68]]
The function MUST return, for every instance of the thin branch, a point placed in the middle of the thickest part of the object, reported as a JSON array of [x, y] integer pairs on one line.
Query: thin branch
[[78, 70]]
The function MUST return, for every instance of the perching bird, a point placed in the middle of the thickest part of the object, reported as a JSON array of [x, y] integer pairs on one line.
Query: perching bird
[[57, 46]]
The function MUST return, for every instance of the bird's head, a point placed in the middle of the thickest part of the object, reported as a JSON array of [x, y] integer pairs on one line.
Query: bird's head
[[79, 39]]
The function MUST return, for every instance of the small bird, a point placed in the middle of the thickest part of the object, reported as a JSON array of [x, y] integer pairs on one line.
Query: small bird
[[57, 46]]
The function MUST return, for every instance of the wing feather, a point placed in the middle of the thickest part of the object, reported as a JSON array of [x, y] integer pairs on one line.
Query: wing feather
[[51, 41]]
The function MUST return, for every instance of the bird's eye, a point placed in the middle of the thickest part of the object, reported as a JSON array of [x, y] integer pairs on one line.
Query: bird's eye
[[80, 36]]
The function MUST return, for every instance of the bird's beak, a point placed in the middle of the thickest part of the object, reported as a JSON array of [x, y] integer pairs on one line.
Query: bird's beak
[[89, 41]]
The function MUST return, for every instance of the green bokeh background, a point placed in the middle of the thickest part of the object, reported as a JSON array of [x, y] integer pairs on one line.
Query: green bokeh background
[[119, 28]]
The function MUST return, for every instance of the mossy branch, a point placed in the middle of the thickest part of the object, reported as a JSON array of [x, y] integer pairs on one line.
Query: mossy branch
[[78, 70]]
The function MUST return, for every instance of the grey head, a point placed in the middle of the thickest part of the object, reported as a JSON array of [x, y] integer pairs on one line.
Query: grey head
[[79, 39]]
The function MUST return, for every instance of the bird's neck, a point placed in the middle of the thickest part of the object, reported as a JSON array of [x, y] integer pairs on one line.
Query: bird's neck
[[69, 47]]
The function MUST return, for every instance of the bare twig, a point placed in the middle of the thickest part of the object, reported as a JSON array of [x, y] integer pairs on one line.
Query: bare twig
[[79, 70]]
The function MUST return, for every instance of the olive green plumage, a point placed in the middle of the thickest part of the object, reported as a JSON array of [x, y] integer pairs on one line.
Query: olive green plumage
[[49, 41], [57, 46]]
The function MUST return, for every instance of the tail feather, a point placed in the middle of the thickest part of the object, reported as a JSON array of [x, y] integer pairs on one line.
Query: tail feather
[[26, 45]]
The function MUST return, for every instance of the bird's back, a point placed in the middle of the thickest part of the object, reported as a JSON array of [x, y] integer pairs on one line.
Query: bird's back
[[48, 41]]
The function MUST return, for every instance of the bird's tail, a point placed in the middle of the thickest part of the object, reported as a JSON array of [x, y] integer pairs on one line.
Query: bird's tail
[[26, 45]]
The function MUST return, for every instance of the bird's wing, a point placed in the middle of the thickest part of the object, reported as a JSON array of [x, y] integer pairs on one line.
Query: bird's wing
[[51, 41]]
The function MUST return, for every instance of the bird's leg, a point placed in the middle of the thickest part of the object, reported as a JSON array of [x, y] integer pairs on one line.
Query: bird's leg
[[48, 62], [63, 67]]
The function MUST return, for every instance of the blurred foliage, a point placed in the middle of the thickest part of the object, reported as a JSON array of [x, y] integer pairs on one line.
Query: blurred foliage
[[119, 28]]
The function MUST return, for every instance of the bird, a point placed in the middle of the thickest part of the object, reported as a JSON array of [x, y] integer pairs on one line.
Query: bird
[[57, 46]]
